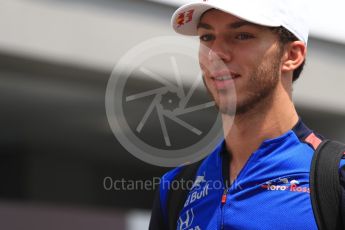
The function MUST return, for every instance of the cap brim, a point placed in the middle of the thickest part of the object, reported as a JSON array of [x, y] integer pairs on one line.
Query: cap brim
[[186, 18]]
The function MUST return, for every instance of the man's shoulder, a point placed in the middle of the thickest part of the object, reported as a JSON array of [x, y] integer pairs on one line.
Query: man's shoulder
[[171, 174]]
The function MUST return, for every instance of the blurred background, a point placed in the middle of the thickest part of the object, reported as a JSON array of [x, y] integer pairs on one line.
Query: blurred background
[[56, 146]]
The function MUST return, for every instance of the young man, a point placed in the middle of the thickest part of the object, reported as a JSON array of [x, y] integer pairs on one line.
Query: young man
[[250, 53]]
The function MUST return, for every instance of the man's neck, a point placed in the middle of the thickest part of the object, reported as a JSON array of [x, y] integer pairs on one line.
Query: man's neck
[[266, 121]]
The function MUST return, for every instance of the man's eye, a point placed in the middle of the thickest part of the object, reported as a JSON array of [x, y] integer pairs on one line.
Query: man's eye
[[244, 36], [206, 37]]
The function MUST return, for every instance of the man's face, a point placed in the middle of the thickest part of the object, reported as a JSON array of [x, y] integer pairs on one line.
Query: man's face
[[240, 61]]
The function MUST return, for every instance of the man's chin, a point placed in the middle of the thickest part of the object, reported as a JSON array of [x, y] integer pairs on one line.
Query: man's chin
[[226, 109]]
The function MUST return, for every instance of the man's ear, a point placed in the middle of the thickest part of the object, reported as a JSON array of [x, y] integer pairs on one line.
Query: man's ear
[[294, 55]]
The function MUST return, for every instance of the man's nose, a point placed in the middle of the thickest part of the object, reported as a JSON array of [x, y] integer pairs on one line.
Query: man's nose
[[219, 51]]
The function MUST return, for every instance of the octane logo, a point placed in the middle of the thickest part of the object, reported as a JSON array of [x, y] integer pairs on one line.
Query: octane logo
[[157, 106]]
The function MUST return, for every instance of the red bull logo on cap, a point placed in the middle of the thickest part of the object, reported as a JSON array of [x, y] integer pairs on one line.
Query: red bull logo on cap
[[184, 17]]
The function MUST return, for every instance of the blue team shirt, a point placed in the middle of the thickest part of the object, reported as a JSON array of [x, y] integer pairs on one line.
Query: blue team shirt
[[270, 192]]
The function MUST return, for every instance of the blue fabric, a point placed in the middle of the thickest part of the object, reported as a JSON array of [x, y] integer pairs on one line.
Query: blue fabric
[[270, 192]]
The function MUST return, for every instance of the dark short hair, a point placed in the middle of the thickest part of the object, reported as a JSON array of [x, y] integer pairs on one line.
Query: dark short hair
[[285, 37]]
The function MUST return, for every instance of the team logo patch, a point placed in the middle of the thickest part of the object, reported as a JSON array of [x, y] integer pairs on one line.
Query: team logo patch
[[186, 220], [199, 190], [198, 181], [283, 184], [184, 18]]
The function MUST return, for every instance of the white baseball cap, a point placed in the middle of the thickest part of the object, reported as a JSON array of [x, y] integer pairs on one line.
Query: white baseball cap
[[291, 14]]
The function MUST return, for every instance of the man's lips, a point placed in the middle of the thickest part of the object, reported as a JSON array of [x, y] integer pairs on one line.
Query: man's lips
[[224, 75], [224, 79]]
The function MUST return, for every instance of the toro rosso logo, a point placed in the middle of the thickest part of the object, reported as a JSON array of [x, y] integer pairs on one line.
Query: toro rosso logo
[[184, 17], [290, 186]]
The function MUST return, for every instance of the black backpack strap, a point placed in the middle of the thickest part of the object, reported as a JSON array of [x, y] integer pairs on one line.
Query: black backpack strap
[[177, 194], [325, 185]]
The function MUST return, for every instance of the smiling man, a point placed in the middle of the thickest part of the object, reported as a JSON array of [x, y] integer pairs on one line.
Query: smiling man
[[250, 54], [259, 67]]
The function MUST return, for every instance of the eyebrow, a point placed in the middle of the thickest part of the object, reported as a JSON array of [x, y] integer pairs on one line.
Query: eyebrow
[[233, 25]]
